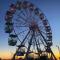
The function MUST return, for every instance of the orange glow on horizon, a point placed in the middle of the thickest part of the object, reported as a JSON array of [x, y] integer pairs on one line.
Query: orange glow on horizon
[[5, 55], [8, 55]]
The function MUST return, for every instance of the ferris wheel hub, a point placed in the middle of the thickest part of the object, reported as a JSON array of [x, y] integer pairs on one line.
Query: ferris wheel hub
[[34, 27]]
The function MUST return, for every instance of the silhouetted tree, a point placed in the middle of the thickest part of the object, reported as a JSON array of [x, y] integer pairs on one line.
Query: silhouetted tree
[[0, 58]]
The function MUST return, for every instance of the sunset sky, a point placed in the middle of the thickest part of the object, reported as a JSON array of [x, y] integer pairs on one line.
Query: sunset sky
[[51, 8]]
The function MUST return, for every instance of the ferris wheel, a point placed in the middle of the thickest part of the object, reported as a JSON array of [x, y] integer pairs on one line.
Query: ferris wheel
[[27, 26]]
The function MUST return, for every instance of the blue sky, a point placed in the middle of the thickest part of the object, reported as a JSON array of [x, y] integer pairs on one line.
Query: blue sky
[[51, 8]]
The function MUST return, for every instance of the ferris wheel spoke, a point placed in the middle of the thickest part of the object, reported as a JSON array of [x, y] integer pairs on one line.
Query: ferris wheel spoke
[[18, 25], [28, 15], [29, 45], [42, 41], [17, 36], [19, 16], [31, 17], [43, 37], [23, 19], [43, 32], [38, 49], [25, 37], [21, 26], [42, 29], [20, 22], [41, 26], [25, 13], [21, 32], [20, 12]]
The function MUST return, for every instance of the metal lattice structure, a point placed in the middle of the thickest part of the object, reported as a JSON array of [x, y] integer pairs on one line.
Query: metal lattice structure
[[28, 27]]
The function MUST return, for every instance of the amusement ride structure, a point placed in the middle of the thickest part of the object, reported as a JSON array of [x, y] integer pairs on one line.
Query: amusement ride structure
[[28, 28]]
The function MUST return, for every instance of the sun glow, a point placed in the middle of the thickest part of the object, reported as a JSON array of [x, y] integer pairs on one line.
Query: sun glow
[[56, 52]]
